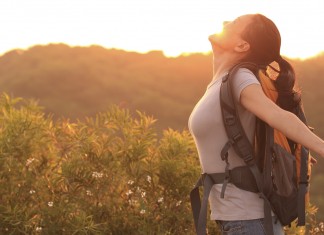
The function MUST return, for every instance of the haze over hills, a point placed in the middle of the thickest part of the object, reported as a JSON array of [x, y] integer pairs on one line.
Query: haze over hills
[[75, 82]]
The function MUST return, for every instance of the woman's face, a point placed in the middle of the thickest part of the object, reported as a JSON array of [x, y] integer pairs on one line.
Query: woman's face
[[230, 37]]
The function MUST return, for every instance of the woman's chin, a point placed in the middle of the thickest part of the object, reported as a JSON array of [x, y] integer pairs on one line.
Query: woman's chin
[[213, 39]]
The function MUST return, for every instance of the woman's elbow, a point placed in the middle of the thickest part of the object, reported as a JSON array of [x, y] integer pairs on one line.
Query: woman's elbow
[[278, 118]]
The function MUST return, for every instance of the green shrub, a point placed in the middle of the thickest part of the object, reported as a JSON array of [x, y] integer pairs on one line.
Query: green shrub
[[107, 175], [110, 174]]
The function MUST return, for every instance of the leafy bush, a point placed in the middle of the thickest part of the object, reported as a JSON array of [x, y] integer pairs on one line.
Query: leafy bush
[[110, 174], [106, 175]]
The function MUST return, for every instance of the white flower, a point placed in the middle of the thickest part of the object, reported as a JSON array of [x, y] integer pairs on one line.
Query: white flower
[[130, 192], [130, 182], [178, 203], [97, 174], [321, 226], [148, 178], [38, 229], [143, 194], [142, 212], [160, 200], [50, 204], [32, 191], [29, 161], [89, 193]]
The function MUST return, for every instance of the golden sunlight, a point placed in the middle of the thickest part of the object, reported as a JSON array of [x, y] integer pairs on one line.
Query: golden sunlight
[[175, 27]]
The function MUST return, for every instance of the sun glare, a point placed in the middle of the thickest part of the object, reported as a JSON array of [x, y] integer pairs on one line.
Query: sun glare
[[218, 28], [175, 27]]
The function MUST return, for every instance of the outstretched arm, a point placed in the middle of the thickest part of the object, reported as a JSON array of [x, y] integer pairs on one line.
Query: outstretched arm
[[253, 99]]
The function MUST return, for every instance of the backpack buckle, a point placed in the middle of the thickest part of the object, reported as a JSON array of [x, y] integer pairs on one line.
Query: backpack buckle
[[237, 137], [247, 159], [230, 120], [225, 77]]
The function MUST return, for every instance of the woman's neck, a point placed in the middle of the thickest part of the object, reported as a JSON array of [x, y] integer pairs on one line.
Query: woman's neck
[[222, 64]]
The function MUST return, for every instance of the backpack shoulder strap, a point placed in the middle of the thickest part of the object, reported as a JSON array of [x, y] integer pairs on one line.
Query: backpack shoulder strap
[[238, 139], [235, 132], [304, 170], [232, 123]]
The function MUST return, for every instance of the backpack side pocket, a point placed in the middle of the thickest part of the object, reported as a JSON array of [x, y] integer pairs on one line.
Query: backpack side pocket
[[283, 171]]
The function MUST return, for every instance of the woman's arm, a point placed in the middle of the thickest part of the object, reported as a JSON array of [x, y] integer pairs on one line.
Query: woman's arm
[[253, 99]]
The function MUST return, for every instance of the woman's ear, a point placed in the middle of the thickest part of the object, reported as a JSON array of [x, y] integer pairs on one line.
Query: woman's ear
[[242, 46]]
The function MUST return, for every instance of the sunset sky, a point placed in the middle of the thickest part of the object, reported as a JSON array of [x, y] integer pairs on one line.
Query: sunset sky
[[174, 26]]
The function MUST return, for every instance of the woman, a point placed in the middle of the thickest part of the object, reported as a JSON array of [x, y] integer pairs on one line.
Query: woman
[[252, 38]]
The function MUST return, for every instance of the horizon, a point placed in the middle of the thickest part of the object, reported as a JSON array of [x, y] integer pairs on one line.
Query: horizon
[[141, 52]]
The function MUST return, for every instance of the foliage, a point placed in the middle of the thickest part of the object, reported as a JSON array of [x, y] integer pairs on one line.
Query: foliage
[[107, 175]]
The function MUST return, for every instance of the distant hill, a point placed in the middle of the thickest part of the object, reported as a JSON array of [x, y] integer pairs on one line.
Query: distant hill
[[75, 82]]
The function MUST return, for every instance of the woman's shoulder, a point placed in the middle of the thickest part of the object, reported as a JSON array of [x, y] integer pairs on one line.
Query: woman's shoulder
[[244, 75], [243, 78], [245, 72]]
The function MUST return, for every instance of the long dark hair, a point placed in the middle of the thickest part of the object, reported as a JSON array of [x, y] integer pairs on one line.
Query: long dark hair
[[265, 41]]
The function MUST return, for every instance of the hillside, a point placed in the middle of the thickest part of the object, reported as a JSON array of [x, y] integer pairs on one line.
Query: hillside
[[77, 82]]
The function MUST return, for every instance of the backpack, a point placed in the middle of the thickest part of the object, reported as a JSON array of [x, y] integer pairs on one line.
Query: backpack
[[276, 168]]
